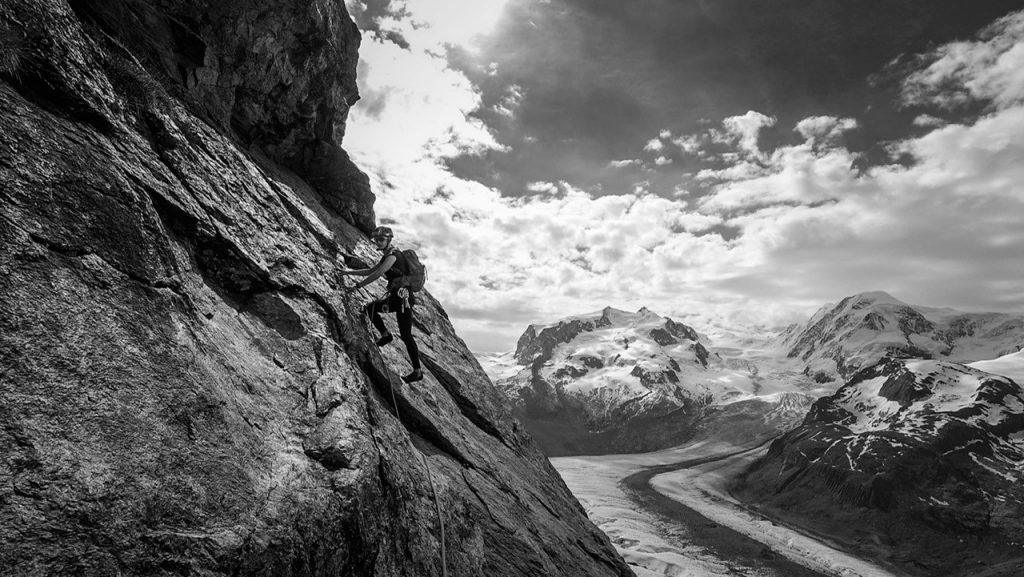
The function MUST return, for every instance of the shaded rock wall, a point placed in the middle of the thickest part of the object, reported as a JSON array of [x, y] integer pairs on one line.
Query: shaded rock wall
[[184, 390]]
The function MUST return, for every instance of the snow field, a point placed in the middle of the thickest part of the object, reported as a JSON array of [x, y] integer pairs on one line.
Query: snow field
[[1010, 366]]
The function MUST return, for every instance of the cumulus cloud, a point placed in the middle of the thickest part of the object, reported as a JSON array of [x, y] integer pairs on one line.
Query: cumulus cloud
[[427, 25], [941, 231], [824, 129], [742, 170], [766, 235], [510, 102], [694, 222], [543, 187], [735, 138], [989, 68], [928, 121], [559, 250], [690, 144], [654, 145], [745, 130], [420, 108]]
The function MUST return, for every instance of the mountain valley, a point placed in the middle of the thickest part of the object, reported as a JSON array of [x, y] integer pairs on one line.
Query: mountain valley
[[896, 432]]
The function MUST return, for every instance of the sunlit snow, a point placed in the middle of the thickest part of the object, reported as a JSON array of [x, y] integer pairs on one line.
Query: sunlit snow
[[1011, 366]]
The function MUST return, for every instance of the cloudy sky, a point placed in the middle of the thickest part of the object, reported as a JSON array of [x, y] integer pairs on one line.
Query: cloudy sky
[[723, 162]]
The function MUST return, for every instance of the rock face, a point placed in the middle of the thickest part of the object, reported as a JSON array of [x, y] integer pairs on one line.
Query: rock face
[[918, 462], [839, 340], [277, 75], [184, 388], [608, 382]]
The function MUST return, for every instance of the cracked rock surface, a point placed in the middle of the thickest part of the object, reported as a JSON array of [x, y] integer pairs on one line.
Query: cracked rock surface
[[184, 387]]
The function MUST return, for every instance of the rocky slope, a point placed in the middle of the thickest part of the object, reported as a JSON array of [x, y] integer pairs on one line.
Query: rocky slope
[[184, 390], [917, 462], [841, 339], [614, 381]]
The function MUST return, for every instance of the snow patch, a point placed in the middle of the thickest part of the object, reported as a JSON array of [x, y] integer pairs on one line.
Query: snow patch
[[1010, 366]]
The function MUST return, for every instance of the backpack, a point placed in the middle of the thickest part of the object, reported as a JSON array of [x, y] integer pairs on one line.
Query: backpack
[[414, 273]]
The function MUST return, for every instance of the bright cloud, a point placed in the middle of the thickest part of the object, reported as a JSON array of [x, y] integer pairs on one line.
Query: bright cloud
[[654, 145], [429, 24], [927, 120], [746, 128], [419, 107], [543, 187], [824, 129], [510, 102], [942, 231], [416, 105], [624, 163], [737, 136], [990, 68], [690, 144], [774, 233]]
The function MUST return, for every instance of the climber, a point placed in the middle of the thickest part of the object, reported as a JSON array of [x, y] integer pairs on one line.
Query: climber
[[395, 266]]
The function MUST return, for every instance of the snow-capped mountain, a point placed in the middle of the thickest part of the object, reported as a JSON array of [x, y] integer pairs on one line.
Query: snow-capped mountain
[[840, 339], [917, 459], [615, 381]]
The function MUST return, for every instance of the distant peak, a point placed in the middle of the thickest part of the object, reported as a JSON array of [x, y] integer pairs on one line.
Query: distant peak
[[608, 316], [875, 295], [878, 297], [646, 313]]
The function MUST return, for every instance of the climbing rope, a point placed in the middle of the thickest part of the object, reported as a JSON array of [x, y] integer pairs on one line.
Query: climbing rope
[[430, 478], [426, 465], [440, 518]]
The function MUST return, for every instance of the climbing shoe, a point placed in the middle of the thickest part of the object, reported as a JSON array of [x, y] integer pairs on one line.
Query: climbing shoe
[[385, 340], [416, 375]]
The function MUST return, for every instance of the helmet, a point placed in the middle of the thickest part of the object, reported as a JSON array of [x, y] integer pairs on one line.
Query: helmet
[[382, 232]]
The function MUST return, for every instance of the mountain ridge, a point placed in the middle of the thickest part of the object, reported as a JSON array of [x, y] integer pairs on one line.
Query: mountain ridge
[[918, 462], [860, 329], [560, 390]]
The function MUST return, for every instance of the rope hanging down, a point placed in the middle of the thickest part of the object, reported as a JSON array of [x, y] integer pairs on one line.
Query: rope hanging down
[[430, 478], [426, 465]]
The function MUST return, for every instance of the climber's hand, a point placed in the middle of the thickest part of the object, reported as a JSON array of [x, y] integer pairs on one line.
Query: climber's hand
[[403, 293]]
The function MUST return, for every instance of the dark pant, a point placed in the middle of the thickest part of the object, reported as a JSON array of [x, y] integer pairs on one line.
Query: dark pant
[[403, 313]]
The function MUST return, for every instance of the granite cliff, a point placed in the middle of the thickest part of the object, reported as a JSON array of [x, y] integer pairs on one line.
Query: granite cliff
[[184, 388]]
